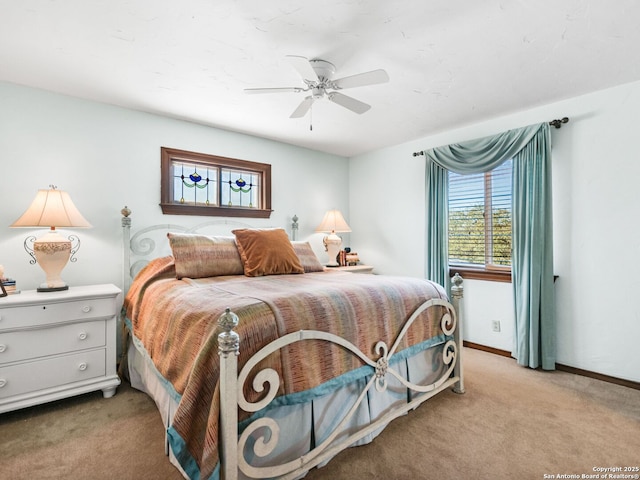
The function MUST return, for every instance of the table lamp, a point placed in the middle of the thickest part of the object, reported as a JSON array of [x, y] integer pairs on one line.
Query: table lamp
[[52, 208], [332, 223]]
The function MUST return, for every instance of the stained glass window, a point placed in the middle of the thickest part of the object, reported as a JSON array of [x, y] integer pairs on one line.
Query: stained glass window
[[194, 184], [240, 189], [201, 184]]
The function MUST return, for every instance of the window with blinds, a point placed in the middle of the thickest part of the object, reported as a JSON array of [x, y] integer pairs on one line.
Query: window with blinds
[[480, 218]]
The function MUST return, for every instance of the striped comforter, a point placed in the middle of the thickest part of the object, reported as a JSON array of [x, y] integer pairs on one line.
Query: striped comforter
[[176, 322]]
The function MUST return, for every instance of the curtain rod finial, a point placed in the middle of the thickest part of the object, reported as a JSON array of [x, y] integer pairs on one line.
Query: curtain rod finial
[[558, 122]]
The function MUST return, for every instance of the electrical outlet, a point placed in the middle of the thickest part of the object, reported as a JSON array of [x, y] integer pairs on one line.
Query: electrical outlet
[[495, 325]]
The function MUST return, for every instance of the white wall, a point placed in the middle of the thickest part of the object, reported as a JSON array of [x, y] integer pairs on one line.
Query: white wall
[[106, 157], [596, 176]]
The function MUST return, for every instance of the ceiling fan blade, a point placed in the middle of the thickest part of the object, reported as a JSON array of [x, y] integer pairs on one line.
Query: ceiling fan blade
[[347, 102], [303, 67], [362, 79], [303, 108], [274, 90]]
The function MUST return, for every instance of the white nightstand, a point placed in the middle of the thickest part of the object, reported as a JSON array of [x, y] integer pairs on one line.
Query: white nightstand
[[57, 344], [353, 268]]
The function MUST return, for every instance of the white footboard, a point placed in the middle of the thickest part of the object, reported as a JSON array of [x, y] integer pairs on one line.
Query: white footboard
[[141, 246], [232, 387]]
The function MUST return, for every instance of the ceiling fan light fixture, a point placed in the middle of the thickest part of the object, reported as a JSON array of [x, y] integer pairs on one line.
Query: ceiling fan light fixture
[[324, 70]]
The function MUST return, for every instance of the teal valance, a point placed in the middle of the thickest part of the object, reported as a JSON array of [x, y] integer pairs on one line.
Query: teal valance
[[483, 154]]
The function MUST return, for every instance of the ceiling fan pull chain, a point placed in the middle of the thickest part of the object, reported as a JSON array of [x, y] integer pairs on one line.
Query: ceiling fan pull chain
[[311, 118]]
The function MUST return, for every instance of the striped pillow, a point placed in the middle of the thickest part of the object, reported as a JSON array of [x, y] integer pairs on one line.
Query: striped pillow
[[307, 257], [198, 256]]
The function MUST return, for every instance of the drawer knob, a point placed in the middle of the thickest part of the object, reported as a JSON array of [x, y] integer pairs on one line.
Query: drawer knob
[[2, 347], [86, 308], [82, 367], [3, 382], [82, 335]]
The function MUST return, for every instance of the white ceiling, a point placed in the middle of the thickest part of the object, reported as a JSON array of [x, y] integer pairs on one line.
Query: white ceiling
[[450, 63]]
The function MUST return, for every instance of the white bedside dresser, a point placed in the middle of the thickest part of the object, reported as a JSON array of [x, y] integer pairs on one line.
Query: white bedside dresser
[[57, 344]]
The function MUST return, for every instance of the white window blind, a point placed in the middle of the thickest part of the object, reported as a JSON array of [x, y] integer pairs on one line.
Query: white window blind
[[480, 218]]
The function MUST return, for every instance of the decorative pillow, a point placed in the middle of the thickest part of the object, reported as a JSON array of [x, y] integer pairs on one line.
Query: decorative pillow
[[307, 257], [266, 252], [198, 256]]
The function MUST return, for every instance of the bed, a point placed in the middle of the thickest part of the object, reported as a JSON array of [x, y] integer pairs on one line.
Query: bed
[[264, 364]]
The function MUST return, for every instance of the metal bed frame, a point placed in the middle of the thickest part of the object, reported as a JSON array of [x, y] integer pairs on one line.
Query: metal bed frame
[[232, 382]]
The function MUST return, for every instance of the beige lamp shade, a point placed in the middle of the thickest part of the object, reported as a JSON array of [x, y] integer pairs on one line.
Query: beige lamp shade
[[52, 208], [333, 222]]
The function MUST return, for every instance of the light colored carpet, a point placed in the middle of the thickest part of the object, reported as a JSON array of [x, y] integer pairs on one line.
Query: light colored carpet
[[86, 437], [513, 423]]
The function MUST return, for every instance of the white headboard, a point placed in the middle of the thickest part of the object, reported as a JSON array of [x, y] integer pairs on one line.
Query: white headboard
[[151, 242]]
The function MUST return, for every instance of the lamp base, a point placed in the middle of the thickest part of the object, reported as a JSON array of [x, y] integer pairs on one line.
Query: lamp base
[[52, 253], [52, 289], [332, 243]]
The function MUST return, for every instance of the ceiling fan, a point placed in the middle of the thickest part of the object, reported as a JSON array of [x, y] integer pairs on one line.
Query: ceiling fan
[[317, 76]]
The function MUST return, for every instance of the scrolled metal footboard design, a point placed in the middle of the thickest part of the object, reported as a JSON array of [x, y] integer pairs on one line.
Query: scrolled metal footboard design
[[268, 381]]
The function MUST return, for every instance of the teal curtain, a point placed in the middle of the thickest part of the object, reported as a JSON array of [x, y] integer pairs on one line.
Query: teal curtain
[[437, 245], [532, 260], [532, 257]]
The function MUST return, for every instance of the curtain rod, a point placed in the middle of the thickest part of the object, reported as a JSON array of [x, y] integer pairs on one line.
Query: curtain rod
[[554, 123]]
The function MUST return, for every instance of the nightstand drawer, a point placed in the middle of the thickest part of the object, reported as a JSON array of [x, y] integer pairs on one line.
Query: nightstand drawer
[[40, 342], [32, 315], [51, 372]]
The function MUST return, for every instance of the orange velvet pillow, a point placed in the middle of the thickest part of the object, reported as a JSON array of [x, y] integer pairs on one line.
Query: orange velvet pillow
[[266, 252]]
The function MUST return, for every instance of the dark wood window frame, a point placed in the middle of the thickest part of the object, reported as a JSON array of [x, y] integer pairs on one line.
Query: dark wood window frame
[[481, 273], [169, 207], [484, 274]]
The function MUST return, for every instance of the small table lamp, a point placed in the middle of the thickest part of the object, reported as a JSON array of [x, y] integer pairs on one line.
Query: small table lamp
[[52, 208], [332, 223]]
